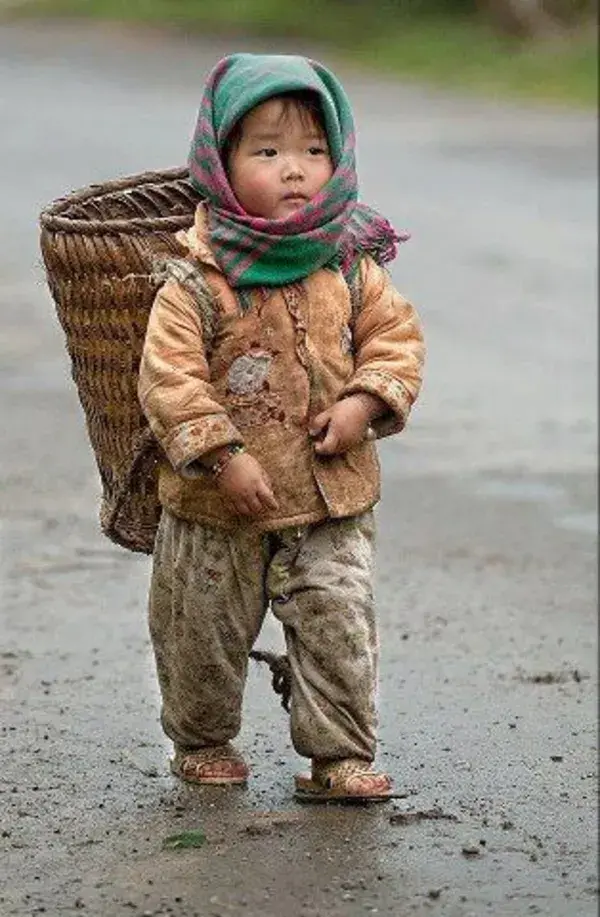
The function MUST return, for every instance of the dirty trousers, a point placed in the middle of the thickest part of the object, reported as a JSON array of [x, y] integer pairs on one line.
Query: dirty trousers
[[209, 593]]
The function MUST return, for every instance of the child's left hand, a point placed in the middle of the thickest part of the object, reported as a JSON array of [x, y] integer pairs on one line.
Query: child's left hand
[[346, 423]]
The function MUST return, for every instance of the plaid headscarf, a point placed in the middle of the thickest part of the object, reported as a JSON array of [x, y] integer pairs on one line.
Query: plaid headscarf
[[331, 229]]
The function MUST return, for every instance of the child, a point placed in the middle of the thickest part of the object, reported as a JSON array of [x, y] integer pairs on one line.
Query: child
[[266, 405]]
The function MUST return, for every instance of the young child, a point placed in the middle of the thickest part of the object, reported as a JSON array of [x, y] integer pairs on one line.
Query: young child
[[266, 406]]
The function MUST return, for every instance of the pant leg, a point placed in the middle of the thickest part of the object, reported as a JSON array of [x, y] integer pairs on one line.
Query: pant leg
[[320, 583], [207, 604]]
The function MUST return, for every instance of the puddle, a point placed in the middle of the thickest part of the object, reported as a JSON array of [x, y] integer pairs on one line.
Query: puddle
[[529, 491], [579, 522]]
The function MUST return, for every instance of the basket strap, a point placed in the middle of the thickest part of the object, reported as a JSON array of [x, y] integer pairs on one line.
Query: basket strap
[[355, 288], [192, 279]]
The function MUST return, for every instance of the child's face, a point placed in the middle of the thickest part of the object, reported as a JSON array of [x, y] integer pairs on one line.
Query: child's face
[[281, 161]]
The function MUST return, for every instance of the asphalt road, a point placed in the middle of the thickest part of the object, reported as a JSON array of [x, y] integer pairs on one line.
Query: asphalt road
[[486, 578]]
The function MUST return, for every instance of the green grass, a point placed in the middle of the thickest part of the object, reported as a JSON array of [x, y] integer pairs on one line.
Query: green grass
[[450, 52]]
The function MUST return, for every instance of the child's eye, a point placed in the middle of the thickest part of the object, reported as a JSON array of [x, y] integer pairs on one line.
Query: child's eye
[[317, 150], [267, 151]]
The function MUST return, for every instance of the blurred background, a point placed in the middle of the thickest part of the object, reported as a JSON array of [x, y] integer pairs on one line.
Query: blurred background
[[534, 48]]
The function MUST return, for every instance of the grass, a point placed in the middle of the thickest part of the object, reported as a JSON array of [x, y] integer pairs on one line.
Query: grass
[[451, 52]]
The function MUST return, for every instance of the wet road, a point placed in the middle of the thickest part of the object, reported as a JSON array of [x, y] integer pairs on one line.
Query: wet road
[[486, 577]]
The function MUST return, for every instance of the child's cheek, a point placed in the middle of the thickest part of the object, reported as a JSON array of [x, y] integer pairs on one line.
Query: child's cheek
[[260, 183], [258, 193]]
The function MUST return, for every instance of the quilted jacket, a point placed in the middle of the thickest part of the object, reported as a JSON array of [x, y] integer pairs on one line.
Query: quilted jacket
[[256, 371]]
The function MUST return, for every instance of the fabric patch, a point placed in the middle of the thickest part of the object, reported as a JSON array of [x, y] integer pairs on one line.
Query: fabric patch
[[248, 374], [252, 411]]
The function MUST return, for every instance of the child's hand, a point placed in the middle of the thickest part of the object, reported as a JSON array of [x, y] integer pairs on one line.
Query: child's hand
[[346, 423], [245, 484]]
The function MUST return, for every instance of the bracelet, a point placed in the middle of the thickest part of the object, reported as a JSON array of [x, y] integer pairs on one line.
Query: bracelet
[[218, 467]]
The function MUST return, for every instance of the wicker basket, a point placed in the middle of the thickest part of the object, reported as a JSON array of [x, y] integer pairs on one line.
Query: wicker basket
[[98, 246]]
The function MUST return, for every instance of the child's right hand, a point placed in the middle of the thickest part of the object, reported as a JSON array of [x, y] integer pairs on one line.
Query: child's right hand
[[245, 484]]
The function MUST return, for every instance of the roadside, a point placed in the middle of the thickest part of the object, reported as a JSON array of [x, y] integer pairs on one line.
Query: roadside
[[452, 52]]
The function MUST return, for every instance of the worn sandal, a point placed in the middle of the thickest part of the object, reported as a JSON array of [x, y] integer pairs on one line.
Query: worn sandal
[[347, 780], [218, 765]]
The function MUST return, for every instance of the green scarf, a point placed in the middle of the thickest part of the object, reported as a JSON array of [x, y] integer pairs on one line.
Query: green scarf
[[332, 229]]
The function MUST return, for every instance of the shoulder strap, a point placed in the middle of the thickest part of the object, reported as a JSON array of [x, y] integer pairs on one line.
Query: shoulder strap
[[355, 288], [192, 279]]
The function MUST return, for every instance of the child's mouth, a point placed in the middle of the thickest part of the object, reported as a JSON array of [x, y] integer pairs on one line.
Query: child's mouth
[[295, 199]]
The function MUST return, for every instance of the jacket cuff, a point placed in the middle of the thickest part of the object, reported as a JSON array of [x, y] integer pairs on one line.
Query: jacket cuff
[[194, 438], [390, 390]]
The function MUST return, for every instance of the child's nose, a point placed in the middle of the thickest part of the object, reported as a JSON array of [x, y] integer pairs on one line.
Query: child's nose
[[292, 169]]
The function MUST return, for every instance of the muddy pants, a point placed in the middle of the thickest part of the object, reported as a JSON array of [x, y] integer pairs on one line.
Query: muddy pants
[[209, 594]]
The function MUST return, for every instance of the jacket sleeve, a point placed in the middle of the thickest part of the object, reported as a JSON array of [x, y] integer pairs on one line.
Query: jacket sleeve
[[174, 387], [389, 347]]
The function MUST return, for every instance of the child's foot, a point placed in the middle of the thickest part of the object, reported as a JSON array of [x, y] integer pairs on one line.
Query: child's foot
[[219, 765], [346, 780]]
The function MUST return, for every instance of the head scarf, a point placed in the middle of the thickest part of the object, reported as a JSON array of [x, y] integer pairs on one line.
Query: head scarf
[[331, 229]]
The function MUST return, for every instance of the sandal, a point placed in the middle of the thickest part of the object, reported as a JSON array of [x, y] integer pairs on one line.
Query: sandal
[[347, 780], [219, 765]]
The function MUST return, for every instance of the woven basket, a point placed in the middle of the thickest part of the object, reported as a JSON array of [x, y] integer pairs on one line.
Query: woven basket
[[99, 246]]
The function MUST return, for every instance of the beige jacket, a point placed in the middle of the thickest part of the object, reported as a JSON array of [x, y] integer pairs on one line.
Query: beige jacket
[[270, 369]]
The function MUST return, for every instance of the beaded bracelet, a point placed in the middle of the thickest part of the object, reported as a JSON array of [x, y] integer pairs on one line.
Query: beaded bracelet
[[218, 467]]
